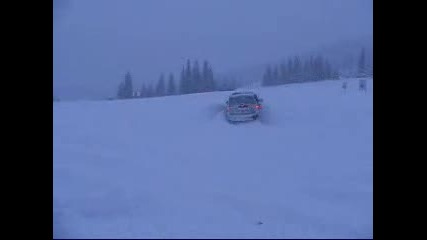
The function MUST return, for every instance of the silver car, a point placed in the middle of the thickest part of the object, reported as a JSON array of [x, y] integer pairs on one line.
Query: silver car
[[243, 106]]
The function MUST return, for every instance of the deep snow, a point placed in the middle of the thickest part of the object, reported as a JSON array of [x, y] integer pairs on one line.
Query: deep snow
[[172, 167]]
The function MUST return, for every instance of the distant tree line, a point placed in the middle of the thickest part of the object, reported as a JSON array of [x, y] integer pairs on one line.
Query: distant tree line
[[296, 70], [193, 79], [198, 79], [363, 70], [299, 70]]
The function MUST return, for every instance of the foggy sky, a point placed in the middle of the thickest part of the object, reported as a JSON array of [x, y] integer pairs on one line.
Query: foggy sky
[[96, 41]]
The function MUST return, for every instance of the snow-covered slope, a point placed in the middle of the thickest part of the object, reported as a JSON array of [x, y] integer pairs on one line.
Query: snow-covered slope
[[172, 167]]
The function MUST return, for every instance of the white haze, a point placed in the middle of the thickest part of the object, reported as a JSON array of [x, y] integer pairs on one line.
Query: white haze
[[96, 42]]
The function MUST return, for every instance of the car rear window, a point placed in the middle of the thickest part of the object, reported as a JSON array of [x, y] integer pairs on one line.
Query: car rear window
[[242, 99]]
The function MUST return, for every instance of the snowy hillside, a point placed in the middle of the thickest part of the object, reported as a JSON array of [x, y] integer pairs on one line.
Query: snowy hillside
[[172, 167]]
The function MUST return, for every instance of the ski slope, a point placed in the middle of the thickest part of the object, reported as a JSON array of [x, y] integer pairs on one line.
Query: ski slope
[[172, 167]]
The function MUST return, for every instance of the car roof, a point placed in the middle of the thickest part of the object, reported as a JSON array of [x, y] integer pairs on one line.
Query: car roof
[[243, 93]]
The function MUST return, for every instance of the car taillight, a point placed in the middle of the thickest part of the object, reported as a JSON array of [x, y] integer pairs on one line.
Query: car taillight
[[258, 106]]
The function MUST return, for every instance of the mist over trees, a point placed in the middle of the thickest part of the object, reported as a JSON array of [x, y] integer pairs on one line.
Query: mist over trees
[[199, 77], [313, 68], [298, 70], [125, 89], [171, 90], [160, 88], [194, 78], [363, 69]]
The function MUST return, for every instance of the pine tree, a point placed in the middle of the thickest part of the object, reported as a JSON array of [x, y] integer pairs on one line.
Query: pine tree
[[335, 75], [362, 64], [232, 84], [291, 73], [327, 70], [206, 78], [318, 68], [120, 91], [182, 82], [125, 89], [171, 85], [275, 79], [149, 91], [188, 79], [128, 88], [143, 91], [369, 70], [210, 80], [297, 69], [312, 69], [306, 71], [196, 78], [268, 77], [160, 88], [284, 78]]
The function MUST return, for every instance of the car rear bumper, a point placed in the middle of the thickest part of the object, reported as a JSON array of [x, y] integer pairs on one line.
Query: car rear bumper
[[241, 117]]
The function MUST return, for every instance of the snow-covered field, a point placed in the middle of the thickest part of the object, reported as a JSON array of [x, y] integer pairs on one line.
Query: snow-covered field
[[172, 167]]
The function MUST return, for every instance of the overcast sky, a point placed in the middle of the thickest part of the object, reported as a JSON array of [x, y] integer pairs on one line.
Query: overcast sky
[[96, 41]]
